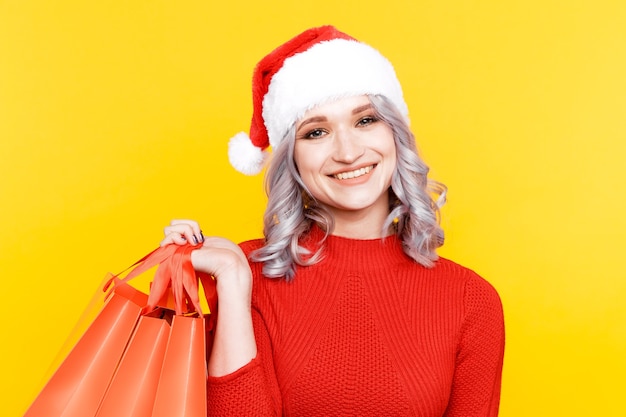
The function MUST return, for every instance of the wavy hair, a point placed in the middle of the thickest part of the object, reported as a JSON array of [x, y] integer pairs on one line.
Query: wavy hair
[[414, 200]]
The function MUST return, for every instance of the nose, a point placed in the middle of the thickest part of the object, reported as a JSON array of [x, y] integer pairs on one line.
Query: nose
[[347, 146]]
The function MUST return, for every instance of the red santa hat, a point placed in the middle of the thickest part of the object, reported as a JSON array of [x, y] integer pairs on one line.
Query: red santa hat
[[317, 66]]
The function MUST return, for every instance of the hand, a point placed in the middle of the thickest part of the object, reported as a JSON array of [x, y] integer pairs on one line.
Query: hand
[[234, 344], [180, 232], [217, 256]]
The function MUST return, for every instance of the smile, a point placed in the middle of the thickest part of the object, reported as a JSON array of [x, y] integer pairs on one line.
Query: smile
[[353, 174]]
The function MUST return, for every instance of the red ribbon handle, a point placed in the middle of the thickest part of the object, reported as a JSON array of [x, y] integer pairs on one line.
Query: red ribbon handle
[[175, 277]]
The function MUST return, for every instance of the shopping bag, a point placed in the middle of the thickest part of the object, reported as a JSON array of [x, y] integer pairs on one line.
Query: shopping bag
[[181, 390], [78, 385], [163, 371], [133, 388], [115, 369], [182, 385]]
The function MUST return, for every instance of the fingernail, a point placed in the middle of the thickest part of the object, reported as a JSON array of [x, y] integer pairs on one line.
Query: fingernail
[[201, 236], [195, 239]]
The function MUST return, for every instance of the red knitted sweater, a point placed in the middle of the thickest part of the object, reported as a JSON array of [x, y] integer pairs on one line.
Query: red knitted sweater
[[369, 332]]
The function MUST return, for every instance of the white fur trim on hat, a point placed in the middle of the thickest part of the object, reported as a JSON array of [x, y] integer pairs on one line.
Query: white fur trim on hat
[[327, 71], [244, 156]]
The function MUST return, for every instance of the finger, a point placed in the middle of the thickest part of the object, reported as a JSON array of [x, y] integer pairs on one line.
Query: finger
[[191, 223], [188, 230], [175, 238], [197, 235]]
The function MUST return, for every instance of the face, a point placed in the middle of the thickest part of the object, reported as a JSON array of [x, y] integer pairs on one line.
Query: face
[[346, 157]]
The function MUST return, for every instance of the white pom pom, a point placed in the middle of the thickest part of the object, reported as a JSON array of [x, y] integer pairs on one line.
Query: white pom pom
[[244, 156]]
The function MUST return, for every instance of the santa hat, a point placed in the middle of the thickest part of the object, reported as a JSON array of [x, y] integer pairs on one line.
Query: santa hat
[[317, 66]]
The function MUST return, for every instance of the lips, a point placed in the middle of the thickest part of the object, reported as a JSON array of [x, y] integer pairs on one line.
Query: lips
[[353, 174]]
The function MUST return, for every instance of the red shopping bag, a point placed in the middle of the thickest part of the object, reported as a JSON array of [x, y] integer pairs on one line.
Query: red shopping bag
[[133, 388], [163, 372], [78, 385], [181, 390], [182, 385], [115, 369]]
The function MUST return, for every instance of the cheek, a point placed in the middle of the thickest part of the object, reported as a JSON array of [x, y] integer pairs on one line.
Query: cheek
[[393, 156], [388, 150], [306, 161]]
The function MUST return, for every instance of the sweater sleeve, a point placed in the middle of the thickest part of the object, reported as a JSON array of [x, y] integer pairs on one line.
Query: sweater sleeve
[[251, 390], [477, 377]]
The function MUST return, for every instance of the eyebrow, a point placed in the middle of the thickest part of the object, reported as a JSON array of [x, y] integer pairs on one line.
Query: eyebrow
[[316, 119], [362, 108]]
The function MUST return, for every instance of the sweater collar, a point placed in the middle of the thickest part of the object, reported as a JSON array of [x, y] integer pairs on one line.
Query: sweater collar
[[367, 253]]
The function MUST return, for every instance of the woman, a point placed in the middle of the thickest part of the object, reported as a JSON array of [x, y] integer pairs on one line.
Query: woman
[[344, 308]]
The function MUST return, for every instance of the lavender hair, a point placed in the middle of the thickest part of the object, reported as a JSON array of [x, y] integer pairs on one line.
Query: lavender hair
[[415, 203]]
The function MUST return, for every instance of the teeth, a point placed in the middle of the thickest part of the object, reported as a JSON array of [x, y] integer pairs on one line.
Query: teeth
[[354, 174]]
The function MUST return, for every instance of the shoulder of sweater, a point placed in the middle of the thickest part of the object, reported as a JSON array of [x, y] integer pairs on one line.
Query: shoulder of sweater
[[482, 302], [251, 245], [470, 277], [445, 266]]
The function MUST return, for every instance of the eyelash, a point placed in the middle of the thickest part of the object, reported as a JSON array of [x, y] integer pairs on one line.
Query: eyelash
[[364, 121], [309, 134], [369, 119]]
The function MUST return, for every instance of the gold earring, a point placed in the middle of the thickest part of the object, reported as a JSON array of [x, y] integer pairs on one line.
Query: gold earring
[[306, 199]]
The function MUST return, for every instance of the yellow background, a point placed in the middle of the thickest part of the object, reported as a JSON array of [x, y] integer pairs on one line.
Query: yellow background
[[115, 116]]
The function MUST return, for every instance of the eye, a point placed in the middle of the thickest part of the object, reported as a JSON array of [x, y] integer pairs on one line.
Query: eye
[[314, 134], [367, 120]]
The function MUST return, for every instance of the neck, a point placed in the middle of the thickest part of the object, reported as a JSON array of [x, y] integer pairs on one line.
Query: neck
[[363, 224]]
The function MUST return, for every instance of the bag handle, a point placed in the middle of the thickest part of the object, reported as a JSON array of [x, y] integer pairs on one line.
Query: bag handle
[[149, 261], [175, 274]]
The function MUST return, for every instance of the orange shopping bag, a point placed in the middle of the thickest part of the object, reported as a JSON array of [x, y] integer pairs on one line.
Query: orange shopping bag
[[179, 390], [163, 372], [79, 383], [116, 367], [133, 388], [182, 385]]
